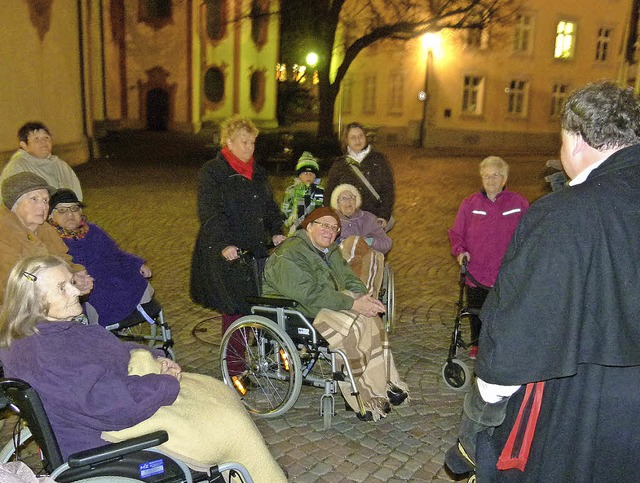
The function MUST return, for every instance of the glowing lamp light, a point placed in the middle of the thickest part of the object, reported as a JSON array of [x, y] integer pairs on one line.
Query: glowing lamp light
[[431, 41], [312, 59]]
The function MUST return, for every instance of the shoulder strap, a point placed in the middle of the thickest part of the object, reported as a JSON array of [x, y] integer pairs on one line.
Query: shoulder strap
[[365, 181]]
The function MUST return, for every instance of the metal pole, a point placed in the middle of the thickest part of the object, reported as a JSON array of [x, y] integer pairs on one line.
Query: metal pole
[[425, 101]]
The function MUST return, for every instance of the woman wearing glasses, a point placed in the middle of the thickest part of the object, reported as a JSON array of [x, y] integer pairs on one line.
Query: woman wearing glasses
[[362, 240], [122, 276], [482, 231], [310, 269]]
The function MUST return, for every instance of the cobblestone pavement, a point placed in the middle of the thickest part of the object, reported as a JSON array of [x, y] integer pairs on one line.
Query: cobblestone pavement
[[149, 207]]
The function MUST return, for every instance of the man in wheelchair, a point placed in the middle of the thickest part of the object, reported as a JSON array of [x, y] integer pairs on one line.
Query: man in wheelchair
[[310, 269]]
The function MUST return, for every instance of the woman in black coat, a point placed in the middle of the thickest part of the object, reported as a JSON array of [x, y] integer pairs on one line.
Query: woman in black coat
[[373, 166], [237, 211]]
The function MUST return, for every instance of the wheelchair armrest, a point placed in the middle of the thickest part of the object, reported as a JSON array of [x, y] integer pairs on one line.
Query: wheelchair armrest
[[113, 451], [272, 301]]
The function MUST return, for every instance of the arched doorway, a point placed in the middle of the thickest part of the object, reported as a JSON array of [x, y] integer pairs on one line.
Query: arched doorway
[[158, 109]]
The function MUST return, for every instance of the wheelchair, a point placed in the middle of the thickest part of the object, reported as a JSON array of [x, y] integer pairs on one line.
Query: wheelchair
[[455, 373], [135, 459], [276, 351], [388, 297], [146, 326]]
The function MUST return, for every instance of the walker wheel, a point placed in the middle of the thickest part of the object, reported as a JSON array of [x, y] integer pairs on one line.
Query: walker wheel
[[456, 375]]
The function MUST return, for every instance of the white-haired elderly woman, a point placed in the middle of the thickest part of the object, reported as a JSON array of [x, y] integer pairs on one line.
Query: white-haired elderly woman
[[23, 231], [363, 241], [94, 387], [482, 231]]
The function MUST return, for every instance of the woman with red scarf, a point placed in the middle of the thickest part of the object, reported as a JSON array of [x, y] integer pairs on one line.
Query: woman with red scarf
[[237, 212]]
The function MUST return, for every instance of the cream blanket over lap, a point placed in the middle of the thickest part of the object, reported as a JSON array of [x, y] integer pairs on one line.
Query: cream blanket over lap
[[207, 425]]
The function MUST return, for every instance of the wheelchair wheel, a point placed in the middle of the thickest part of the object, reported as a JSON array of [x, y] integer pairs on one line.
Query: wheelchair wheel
[[327, 405], [456, 375], [388, 297], [259, 360], [26, 451]]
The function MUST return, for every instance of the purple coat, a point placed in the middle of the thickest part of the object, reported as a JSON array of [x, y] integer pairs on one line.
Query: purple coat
[[80, 373], [118, 286], [365, 224], [484, 229]]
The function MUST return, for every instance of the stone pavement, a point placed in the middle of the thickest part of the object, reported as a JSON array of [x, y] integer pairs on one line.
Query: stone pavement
[[144, 195]]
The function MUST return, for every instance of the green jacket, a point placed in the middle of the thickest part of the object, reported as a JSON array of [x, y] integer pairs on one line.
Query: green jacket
[[298, 271]]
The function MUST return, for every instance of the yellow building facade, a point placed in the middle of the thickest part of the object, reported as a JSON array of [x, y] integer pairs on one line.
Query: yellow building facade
[[501, 88], [86, 67]]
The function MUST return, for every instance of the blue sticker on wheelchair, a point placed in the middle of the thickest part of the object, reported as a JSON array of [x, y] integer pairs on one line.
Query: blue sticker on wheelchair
[[303, 331], [151, 468]]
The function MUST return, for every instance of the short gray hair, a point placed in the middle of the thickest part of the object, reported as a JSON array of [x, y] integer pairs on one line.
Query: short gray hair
[[496, 161]]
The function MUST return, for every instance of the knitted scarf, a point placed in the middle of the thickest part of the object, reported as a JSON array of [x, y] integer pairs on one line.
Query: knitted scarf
[[77, 234], [358, 157], [239, 166]]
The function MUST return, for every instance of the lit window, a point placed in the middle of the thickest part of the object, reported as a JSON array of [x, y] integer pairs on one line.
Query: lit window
[[396, 93], [559, 96], [259, 21], [523, 33], [565, 40], [369, 93], [603, 44], [281, 72], [214, 85], [472, 94], [216, 19], [257, 90], [518, 97]]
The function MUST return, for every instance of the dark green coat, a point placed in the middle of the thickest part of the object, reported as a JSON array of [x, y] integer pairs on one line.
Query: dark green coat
[[298, 271]]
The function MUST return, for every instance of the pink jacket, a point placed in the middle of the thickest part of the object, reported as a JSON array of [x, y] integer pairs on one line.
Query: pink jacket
[[484, 229]]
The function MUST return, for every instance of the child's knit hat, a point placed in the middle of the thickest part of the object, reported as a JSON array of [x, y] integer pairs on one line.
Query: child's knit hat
[[307, 163]]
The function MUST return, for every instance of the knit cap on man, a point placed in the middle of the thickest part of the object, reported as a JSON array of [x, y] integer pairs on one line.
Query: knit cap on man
[[307, 163], [19, 184]]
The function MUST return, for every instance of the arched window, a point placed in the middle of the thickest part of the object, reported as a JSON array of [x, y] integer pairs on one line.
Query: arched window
[[258, 88], [259, 21], [214, 85], [156, 13], [216, 19]]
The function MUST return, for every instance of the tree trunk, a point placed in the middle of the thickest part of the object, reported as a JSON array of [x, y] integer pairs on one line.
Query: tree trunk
[[327, 98]]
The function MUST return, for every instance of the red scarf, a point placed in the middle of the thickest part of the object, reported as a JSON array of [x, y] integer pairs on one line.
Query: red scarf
[[239, 166]]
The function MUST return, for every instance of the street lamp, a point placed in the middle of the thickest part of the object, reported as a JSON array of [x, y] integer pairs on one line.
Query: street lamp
[[312, 59], [430, 42]]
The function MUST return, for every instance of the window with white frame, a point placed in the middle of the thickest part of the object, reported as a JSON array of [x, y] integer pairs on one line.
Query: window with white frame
[[477, 38], [565, 40], [559, 94], [518, 97], [472, 94], [369, 95], [396, 93], [603, 44], [523, 33]]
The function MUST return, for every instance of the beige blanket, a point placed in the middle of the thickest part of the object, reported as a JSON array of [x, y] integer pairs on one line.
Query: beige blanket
[[207, 425]]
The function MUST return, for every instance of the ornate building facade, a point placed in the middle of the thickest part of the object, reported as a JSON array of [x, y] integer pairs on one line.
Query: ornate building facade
[[85, 66]]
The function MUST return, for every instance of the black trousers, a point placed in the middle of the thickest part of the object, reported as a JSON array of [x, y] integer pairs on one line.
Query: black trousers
[[475, 298]]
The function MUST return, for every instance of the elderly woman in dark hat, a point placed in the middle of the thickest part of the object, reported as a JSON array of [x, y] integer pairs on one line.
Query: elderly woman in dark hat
[[122, 276], [309, 268], [23, 231]]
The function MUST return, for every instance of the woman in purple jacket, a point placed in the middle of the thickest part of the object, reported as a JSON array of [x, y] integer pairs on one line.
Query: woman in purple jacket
[[362, 240], [79, 371], [121, 276], [482, 231]]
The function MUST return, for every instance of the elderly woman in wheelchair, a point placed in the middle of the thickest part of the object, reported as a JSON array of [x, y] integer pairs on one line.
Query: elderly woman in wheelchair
[[96, 388], [309, 269]]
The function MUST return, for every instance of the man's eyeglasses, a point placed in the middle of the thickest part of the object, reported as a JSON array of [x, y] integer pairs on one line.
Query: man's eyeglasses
[[68, 209], [346, 198], [327, 226], [492, 176]]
